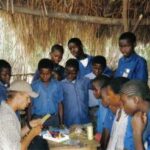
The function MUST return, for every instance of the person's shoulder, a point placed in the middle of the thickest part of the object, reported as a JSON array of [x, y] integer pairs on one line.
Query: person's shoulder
[[36, 83], [140, 58]]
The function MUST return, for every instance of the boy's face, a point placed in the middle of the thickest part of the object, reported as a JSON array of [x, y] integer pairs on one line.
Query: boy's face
[[5, 75], [71, 73], [97, 69], [96, 90], [130, 104], [105, 98], [56, 56], [126, 47], [114, 98], [45, 74], [75, 50]]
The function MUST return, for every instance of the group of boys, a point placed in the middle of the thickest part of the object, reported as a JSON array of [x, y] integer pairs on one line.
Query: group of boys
[[86, 90]]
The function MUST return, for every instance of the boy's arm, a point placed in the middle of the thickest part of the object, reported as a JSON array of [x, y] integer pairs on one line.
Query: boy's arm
[[60, 111], [27, 139], [105, 139], [139, 122]]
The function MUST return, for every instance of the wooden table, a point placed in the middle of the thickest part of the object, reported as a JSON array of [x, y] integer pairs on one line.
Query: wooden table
[[85, 144]]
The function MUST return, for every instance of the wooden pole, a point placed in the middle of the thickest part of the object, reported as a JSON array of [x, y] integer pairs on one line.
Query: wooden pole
[[80, 18], [137, 23], [125, 15], [66, 16]]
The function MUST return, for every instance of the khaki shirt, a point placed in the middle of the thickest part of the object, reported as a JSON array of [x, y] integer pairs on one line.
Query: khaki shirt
[[10, 129]]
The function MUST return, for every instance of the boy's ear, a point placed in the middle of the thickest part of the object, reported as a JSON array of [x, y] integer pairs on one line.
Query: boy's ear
[[136, 99]]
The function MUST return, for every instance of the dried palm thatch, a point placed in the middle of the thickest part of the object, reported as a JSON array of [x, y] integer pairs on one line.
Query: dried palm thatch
[[36, 33]]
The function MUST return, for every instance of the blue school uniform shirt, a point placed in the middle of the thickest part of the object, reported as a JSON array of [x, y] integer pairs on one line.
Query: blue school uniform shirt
[[3, 92], [109, 119], [85, 70], [148, 135], [75, 101], [129, 139], [49, 97], [101, 115], [108, 72], [133, 67]]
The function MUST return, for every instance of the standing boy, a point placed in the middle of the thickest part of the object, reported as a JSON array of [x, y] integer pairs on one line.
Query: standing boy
[[131, 65], [50, 94], [85, 61], [76, 96]]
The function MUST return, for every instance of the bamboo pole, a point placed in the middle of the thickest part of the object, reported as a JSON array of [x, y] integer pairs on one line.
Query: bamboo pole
[[125, 15]]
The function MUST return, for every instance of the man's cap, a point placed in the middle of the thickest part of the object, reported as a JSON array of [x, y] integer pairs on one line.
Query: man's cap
[[136, 88], [22, 86]]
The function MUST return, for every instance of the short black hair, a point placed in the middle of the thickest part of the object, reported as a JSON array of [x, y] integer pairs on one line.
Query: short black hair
[[76, 41], [57, 47], [117, 83], [72, 63], [99, 60], [102, 80], [45, 63], [4, 64], [136, 88], [128, 36]]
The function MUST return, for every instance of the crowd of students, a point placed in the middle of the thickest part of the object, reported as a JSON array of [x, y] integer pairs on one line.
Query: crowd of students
[[86, 90]]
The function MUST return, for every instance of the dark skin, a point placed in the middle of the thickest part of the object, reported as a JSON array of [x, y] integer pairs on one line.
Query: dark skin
[[56, 56], [126, 47], [71, 73], [5, 74], [45, 76], [77, 51], [97, 69]]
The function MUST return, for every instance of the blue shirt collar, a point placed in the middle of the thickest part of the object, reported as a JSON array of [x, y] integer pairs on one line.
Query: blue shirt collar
[[131, 57]]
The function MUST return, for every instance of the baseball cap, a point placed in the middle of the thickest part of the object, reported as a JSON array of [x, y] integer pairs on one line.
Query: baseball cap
[[22, 86]]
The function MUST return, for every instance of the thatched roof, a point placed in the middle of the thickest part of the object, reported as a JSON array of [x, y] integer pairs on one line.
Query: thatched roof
[[40, 23]]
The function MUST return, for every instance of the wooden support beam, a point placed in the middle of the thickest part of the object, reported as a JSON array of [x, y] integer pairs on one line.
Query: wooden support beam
[[80, 18], [125, 15], [66, 16]]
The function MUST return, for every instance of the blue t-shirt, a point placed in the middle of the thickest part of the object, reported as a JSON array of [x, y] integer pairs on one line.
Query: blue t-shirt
[[109, 119], [101, 115], [3, 92], [49, 97], [133, 67], [75, 101]]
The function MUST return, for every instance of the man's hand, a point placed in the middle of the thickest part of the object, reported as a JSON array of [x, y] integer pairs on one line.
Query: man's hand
[[36, 122], [36, 131]]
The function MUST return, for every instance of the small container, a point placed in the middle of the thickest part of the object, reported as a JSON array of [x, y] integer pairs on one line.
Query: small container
[[90, 132]]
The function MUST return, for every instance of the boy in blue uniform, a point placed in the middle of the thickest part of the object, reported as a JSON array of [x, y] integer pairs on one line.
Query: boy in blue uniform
[[56, 55], [99, 67], [85, 61], [131, 65], [98, 85], [5, 74], [136, 100], [50, 94], [75, 92], [113, 94]]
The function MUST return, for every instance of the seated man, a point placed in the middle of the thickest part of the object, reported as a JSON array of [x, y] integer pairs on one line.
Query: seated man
[[12, 137]]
